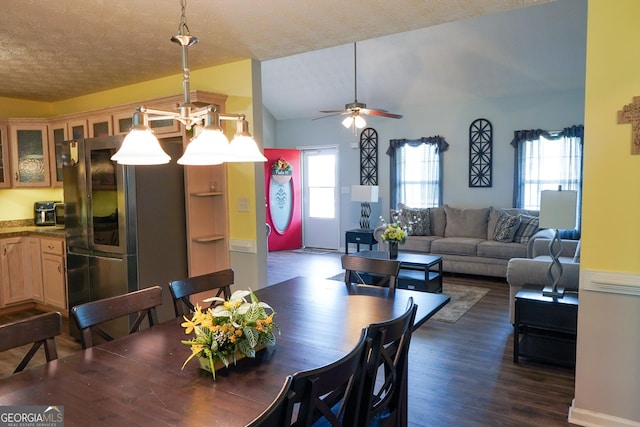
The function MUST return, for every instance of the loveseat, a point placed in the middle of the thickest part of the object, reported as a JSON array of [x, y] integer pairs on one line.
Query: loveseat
[[478, 241], [533, 269]]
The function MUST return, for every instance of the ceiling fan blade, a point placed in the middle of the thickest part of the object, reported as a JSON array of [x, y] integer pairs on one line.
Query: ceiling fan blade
[[380, 113], [338, 113]]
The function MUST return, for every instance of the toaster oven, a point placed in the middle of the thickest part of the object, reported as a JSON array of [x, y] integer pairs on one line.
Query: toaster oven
[[48, 213]]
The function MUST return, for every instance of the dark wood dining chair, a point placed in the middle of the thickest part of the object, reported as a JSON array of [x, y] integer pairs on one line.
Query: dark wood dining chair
[[329, 395], [276, 414], [384, 399], [91, 315], [182, 290], [370, 271], [39, 330]]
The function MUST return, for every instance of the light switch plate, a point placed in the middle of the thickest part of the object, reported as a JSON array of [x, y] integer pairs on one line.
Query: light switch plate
[[243, 204]]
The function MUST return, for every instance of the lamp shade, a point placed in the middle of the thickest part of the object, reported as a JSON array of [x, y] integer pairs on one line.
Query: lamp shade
[[364, 193], [141, 147], [558, 209], [210, 147]]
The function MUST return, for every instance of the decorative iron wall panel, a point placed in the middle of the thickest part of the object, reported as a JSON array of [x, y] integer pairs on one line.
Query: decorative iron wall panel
[[369, 157], [480, 153]]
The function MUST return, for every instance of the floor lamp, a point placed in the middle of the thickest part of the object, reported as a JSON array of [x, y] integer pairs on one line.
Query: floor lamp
[[557, 211], [364, 194]]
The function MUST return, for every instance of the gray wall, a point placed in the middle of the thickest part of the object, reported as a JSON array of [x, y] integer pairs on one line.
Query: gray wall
[[545, 110]]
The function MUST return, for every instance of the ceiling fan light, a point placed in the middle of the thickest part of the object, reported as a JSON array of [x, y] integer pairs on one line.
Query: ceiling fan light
[[347, 122], [359, 122], [141, 147], [210, 147]]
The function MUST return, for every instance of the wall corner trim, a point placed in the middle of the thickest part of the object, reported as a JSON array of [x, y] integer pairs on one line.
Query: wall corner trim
[[583, 417]]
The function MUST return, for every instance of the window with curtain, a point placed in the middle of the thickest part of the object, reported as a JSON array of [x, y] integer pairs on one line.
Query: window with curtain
[[416, 171], [545, 160]]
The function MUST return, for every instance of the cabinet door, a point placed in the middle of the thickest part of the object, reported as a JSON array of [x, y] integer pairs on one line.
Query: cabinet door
[[100, 126], [29, 155], [122, 122], [12, 256], [77, 129], [55, 290], [33, 264], [58, 134], [5, 180], [53, 273]]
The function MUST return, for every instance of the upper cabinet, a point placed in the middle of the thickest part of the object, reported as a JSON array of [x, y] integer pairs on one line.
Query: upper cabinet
[[5, 180], [58, 134], [77, 129], [29, 153], [100, 126]]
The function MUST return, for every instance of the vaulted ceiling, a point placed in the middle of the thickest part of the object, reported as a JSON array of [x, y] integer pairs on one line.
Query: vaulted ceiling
[[54, 50]]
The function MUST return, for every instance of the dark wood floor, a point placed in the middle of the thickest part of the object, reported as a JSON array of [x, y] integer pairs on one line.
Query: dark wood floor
[[460, 374]]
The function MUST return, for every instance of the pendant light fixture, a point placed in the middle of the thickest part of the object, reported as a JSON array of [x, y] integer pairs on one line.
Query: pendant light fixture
[[209, 145]]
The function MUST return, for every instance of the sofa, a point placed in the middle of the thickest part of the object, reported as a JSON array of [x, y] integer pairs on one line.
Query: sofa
[[478, 241], [532, 270]]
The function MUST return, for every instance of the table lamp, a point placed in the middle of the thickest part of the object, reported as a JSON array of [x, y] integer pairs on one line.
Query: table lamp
[[364, 194], [557, 211]]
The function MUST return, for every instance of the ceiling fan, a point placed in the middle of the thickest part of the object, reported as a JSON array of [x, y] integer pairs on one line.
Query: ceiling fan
[[355, 109]]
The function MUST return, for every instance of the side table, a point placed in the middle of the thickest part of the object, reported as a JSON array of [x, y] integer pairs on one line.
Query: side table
[[545, 328], [358, 236]]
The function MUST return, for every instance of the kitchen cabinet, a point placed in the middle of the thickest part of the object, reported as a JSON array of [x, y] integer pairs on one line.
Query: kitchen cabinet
[[100, 126], [53, 273], [5, 180], [77, 129], [29, 153], [15, 287], [33, 267], [58, 133], [122, 122]]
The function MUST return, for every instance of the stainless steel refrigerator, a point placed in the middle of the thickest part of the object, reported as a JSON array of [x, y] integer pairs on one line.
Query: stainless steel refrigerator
[[125, 226]]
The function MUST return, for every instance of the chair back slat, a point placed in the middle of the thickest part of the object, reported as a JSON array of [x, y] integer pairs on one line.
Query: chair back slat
[[276, 412], [330, 393], [182, 290], [378, 272], [389, 356], [39, 330], [91, 315]]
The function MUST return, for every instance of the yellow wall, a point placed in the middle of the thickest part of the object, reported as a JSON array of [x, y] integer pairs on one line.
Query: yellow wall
[[611, 227], [11, 107], [607, 378], [233, 80]]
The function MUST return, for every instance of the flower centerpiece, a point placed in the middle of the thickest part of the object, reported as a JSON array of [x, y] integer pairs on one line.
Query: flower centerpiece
[[233, 329], [281, 171], [395, 234]]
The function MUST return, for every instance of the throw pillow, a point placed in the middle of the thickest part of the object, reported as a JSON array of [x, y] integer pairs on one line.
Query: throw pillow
[[529, 226], [466, 222], [415, 219], [506, 227]]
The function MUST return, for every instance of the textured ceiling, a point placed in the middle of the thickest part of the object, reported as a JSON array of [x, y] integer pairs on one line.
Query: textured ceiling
[[53, 50]]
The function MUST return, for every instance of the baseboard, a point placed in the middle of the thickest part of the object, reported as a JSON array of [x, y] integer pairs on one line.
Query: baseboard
[[583, 417], [611, 282]]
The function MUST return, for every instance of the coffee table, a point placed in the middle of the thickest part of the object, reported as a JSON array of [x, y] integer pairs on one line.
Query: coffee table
[[415, 270]]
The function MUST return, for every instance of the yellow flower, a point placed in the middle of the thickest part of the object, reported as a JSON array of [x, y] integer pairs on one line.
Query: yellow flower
[[188, 325]]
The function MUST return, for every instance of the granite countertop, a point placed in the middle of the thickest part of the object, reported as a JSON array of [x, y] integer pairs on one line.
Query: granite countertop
[[31, 230]]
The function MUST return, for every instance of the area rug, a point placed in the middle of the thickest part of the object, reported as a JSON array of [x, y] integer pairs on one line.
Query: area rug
[[462, 299], [313, 251]]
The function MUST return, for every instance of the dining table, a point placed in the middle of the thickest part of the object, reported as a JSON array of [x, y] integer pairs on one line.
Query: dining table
[[139, 379]]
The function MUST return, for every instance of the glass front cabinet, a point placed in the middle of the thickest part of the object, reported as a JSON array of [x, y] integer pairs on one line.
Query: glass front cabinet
[[29, 154], [5, 180]]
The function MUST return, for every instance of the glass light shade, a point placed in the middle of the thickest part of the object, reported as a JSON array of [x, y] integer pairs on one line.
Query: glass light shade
[[141, 147], [347, 122], [210, 147], [245, 149], [359, 122]]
